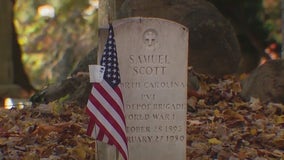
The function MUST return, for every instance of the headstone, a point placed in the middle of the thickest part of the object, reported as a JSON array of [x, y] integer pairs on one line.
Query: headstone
[[152, 56]]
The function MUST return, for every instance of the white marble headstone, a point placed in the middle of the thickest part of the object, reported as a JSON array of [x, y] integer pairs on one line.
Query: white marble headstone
[[153, 56]]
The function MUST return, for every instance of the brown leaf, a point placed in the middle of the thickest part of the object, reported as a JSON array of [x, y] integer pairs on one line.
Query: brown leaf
[[43, 130], [233, 119]]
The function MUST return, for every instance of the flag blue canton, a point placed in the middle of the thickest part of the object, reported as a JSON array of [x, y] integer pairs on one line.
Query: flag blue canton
[[109, 60]]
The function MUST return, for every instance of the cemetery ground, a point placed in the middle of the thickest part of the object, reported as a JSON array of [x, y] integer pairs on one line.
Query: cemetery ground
[[220, 125]]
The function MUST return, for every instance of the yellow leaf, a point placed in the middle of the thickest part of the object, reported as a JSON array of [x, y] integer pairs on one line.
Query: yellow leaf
[[217, 113], [253, 131], [214, 141], [57, 108], [80, 153], [279, 119]]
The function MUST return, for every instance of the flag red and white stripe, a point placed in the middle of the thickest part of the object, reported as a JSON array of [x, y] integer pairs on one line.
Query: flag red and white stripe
[[105, 104]]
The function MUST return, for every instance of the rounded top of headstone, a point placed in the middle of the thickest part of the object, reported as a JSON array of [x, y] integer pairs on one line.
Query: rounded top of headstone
[[149, 19]]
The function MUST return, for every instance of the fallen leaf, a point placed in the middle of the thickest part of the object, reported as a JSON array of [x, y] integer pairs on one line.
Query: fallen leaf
[[233, 119], [192, 101], [214, 141], [255, 104], [279, 119], [217, 113], [253, 131], [279, 143], [194, 122]]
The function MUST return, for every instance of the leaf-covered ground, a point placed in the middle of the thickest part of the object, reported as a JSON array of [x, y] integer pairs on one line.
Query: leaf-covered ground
[[47, 132], [220, 126]]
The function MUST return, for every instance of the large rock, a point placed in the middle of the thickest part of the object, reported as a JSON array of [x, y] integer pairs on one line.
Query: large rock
[[214, 48], [266, 82]]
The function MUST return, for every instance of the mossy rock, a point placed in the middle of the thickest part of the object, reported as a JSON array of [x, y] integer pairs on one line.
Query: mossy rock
[[266, 82]]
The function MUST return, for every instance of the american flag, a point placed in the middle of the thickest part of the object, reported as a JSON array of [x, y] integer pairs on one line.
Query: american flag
[[105, 104]]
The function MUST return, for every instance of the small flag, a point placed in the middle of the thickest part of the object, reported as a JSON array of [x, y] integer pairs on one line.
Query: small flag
[[105, 104]]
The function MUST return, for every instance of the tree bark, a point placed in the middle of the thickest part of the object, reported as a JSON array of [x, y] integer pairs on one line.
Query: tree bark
[[20, 76], [282, 28]]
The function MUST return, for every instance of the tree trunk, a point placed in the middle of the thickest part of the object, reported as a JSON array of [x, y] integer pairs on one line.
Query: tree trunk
[[282, 28], [20, 76], [13, 80]]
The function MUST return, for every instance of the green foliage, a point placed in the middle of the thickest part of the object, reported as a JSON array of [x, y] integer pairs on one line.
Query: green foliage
[[45, 41], [53, 46], [272, 19], [257, 22]]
